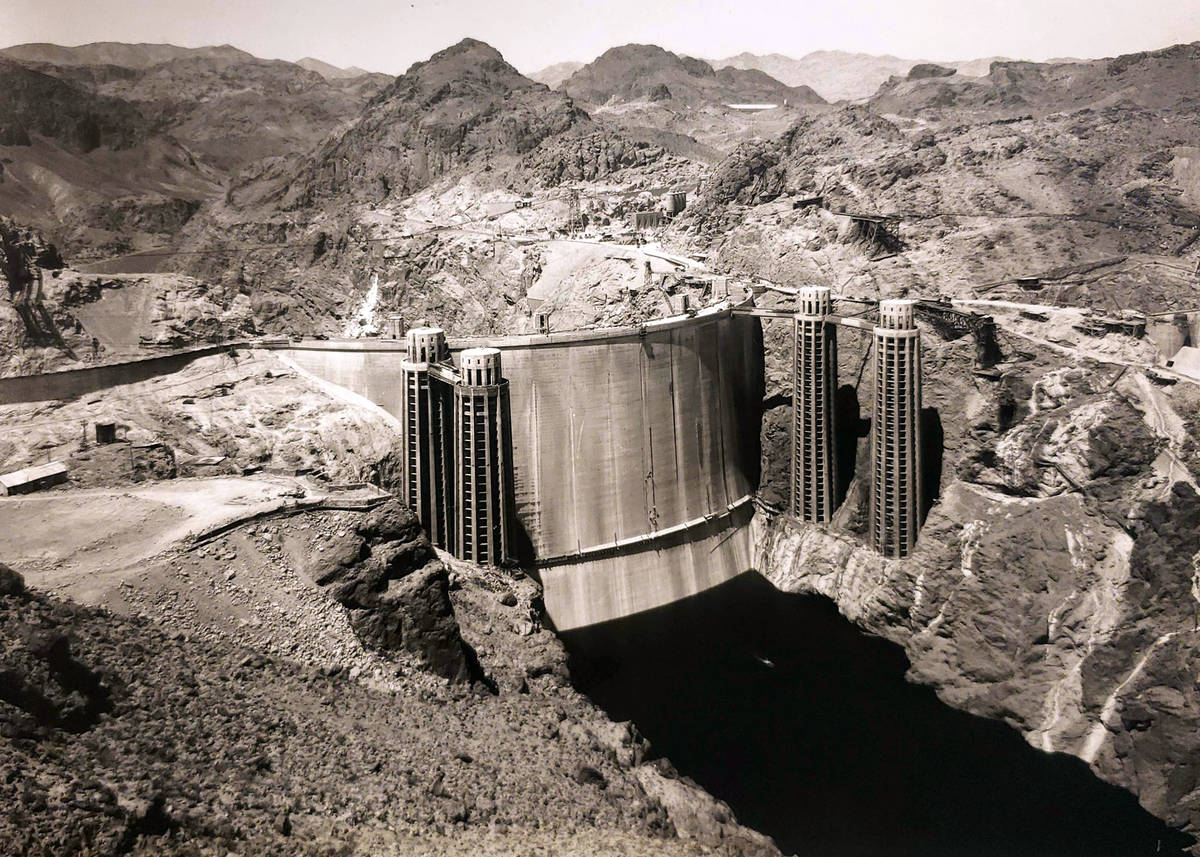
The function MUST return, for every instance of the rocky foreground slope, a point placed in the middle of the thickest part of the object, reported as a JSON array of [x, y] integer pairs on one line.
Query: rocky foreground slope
[[122, 737]]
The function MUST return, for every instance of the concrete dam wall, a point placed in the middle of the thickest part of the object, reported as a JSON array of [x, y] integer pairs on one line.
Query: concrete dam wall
[[635, 452], [72, 383]]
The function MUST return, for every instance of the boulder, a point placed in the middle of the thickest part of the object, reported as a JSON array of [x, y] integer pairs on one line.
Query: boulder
[[11, 583]]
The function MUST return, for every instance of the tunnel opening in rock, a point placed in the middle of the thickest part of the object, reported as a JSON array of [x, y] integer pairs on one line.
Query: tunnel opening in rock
[[807, 728]]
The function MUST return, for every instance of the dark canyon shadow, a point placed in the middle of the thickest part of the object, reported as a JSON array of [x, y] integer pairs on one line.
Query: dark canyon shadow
[[807, 728], [850, 427], [933, 444]]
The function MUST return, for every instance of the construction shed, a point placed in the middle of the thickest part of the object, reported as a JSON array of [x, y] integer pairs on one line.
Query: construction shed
[[30, 479]]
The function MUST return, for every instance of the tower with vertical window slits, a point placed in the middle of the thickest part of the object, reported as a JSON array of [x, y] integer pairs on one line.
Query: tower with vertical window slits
[[896, 431], [480, 458], [427, 435], [814, 453]]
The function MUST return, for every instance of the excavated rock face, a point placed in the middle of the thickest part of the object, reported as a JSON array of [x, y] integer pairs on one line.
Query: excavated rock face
[[589, 158], [23, 254], [387, 575]]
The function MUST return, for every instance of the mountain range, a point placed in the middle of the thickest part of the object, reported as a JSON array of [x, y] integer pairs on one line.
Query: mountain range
[[840, 75], [833, 75], [211, 148]]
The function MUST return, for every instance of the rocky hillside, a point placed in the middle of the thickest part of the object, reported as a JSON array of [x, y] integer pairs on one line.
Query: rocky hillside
[[650, 73], [234, 110], [978, 200], [1152, 80], [112, 147], [33, 105], [464, 104], [329, 71]]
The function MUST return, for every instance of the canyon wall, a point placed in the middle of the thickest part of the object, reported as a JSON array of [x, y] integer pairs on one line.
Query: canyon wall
[[1054, 584]]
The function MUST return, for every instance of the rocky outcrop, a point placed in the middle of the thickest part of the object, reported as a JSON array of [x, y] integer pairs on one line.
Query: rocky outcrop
[[750, 176], [386, 574], [924, 70]]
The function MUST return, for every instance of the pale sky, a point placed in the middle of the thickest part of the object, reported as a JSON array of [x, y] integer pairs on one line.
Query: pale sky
[[389, 36]]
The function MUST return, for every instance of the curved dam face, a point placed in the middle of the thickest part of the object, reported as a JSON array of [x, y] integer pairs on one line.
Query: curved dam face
[[634, 453]]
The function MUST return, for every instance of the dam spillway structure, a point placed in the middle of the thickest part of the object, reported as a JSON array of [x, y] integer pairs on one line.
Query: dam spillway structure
[[427, 434], [482, 456], [814, 455], [896, 431]]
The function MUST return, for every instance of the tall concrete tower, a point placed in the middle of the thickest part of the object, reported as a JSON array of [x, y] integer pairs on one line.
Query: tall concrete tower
[[814, 455], [896, 431], [480, 452], [427, 433]]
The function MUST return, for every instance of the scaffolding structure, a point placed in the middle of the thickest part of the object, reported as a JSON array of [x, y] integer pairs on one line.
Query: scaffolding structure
[[814, 452], [896, 431]]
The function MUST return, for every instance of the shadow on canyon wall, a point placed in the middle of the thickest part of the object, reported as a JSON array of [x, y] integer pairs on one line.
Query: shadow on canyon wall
[[807, 728]]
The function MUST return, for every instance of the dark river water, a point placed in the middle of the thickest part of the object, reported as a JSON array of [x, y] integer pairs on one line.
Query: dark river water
[[807, 728]]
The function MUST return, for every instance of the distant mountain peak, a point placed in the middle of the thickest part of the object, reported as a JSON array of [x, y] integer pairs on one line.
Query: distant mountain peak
[[328, 70], [638, 72]]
